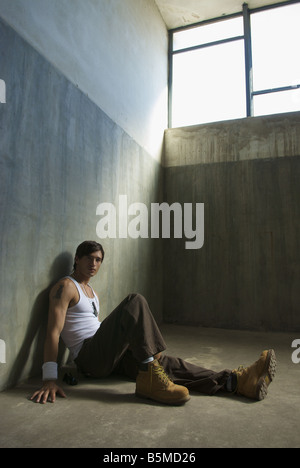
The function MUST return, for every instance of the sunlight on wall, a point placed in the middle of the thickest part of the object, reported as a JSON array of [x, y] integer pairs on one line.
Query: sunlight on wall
[[158, 122]]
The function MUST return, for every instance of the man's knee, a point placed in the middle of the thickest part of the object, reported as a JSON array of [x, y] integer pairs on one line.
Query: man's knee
[[137, 297], [137, 303]]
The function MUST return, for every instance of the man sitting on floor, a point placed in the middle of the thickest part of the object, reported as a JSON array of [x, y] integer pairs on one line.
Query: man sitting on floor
[[129, 342]]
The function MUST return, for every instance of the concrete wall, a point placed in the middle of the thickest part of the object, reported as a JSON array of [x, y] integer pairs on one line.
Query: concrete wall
[[247, 274], [61, 156], [111, 50]]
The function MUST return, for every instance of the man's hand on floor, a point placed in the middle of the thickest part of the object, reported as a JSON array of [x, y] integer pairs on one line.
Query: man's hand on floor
[[48, 392]]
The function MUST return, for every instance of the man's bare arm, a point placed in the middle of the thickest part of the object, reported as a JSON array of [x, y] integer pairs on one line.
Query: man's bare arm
[[60, 297]]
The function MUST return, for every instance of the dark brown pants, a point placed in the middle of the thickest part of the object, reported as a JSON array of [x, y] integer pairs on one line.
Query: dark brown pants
[[128, 336]]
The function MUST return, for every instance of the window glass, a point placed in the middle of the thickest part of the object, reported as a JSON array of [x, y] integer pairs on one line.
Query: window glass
[[276, 103], [209, 85], [275, 48], [208, 33]]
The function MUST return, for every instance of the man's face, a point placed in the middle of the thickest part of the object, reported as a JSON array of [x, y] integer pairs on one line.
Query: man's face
[[89, 264]]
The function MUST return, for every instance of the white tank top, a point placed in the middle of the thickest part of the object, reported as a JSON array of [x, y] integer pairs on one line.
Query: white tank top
[[81, 321]]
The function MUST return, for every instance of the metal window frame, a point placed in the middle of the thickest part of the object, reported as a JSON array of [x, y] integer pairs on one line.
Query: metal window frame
[[246, 14], [248, 60]]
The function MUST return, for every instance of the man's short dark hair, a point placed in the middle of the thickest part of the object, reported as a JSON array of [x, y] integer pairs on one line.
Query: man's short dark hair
[[86, 248]]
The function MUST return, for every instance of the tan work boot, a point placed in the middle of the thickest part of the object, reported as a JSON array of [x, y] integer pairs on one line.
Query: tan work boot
[[156, 385], [253, 381]]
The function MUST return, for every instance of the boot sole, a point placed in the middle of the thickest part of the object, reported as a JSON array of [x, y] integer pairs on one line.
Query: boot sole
[[170, 403], [267, 376]]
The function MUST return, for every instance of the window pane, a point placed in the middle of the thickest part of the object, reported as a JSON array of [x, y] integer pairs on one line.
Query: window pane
[[275, 47], [208, 33], [209, 85], [276, 103]]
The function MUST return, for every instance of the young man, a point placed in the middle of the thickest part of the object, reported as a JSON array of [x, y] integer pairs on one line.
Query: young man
[[128, 342]]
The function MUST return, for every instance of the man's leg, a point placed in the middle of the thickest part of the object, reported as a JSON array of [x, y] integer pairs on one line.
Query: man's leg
[[193, 377], [251, 382], [130, 335], [130, 330], [130, 327]]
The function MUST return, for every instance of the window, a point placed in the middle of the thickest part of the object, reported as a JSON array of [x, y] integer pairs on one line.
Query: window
[[276, 65], [208, 73], [236, 67]]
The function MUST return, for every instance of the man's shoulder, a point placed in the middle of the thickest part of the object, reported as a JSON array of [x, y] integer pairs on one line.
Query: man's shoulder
[[63, 286]]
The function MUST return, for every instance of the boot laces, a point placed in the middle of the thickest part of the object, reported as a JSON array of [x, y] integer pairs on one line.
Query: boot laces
[[161, 374], [241, 369]]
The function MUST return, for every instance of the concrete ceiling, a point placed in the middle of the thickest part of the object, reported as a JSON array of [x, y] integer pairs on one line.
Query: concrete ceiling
[[177, 13]]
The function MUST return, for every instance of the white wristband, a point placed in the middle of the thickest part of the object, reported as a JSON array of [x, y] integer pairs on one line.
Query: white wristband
[[49, 371]]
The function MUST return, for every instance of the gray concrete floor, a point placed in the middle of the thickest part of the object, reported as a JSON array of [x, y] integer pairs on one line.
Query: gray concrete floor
[[106, 414]]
